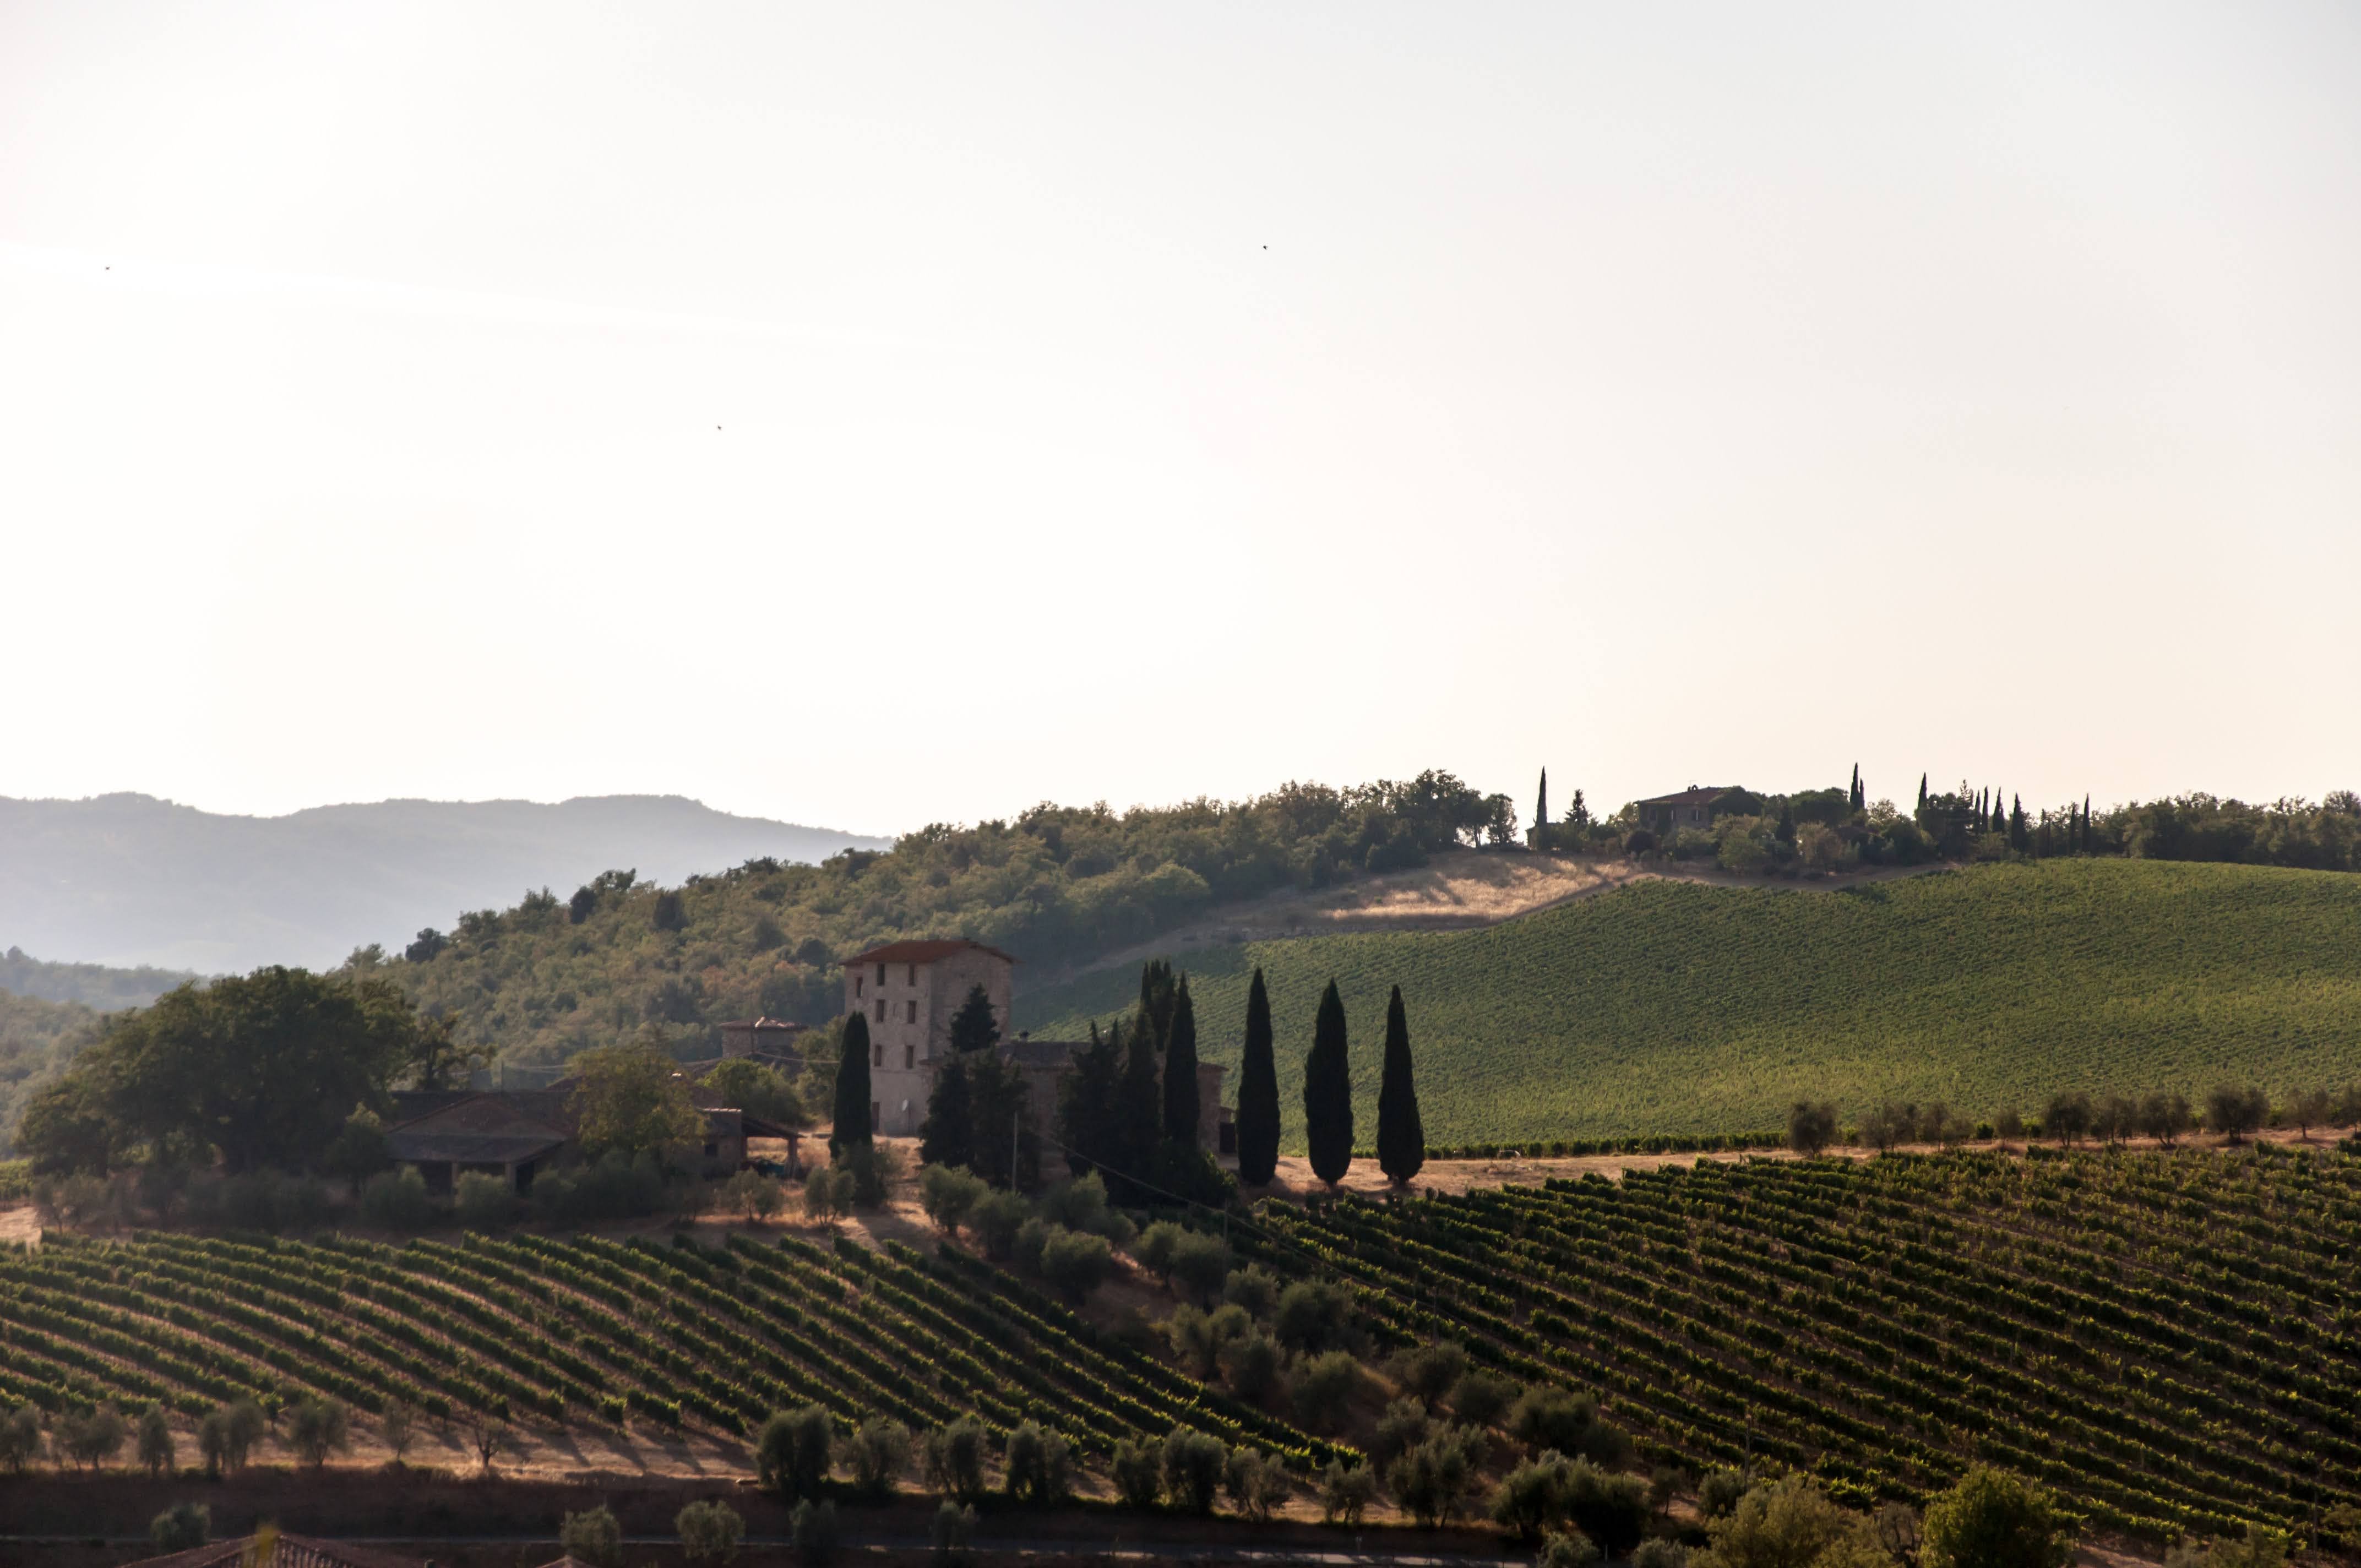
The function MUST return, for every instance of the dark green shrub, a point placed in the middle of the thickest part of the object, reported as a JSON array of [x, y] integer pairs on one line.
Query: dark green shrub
[[397, 1200], [593, 1537], [181, 1528]]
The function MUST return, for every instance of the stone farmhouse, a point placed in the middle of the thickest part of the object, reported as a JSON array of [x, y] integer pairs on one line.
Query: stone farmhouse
[[518, 1134], [909, 991], [1692, 809]]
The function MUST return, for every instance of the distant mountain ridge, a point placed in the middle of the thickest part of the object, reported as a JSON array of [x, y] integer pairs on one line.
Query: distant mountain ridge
[[132, 879], [94, 986]]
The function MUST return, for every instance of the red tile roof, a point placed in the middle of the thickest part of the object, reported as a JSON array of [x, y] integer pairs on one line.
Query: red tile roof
[[923, 952]]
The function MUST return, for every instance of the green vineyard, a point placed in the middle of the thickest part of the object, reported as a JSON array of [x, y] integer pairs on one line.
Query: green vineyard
[[584, 1332], [1669, 1007], [2172, 1340]]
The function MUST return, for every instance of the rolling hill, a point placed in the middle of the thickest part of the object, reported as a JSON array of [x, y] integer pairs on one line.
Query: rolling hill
[[1671, 1007], [128, 879]]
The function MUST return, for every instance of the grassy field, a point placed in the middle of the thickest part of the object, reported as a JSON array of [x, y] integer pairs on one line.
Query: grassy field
[[1674, 1008]]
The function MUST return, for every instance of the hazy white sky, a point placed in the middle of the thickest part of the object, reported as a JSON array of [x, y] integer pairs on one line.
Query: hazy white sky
[[876, 414]]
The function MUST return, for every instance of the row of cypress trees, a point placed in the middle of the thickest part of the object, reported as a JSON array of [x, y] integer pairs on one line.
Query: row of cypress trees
[[1328, 1094], [1129, 1108], [1116, 1105]]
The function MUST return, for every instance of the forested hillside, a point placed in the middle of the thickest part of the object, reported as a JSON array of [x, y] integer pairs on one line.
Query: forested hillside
[[37, 1039], [1057, 885], [1063, 886], [1676, 1008]]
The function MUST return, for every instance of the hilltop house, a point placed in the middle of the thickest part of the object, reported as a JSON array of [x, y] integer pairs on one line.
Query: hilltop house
[[909, 991], [1691, 810]]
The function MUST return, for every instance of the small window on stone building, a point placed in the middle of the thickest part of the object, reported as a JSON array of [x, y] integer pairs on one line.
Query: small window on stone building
[[909, 1058], [881, 1010], [914, 1012], [712, 1149], [914, 974], [877, 1057], [859, 981], [881, 974], [873, 1115]]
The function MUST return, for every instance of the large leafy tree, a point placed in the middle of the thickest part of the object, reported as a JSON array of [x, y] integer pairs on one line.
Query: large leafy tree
[[632, 1098], [256, 1070], [1401, 1136], [1991, 1519], [757, 1090], [1258, 1092], [1180, 1107], [441, 1059], [1328, 1092], [851, 1122]]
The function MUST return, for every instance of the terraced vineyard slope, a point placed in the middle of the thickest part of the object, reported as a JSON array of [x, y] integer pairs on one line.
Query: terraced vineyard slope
[[1668, 1007], [2170, 1340], [582, 1333]]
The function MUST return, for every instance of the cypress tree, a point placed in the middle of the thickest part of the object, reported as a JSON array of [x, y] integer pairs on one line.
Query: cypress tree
[[975, 1027], [1258, 1093], [851, 1089], [2090, 846], [1401, 1136], [1541, 814], [1156, 999], [949, 1135], [999, 1101], [2017, 838], [1328, 1092], [1180, 1107], [1922, 792], [1139, 1112], [1087, 1099], [1786, 823]]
